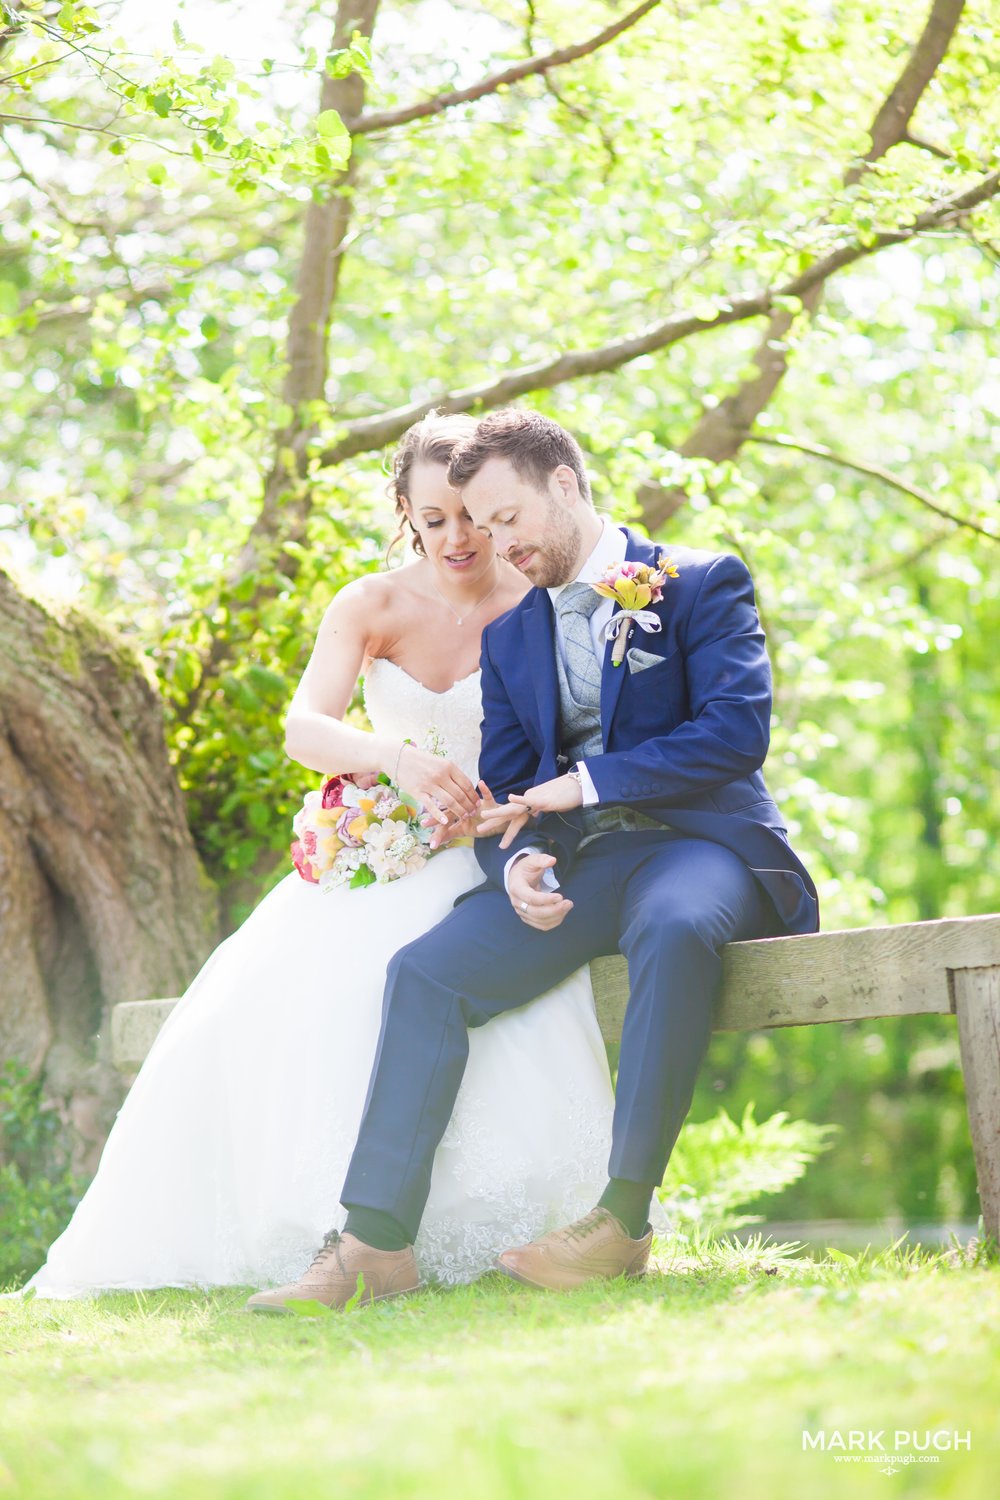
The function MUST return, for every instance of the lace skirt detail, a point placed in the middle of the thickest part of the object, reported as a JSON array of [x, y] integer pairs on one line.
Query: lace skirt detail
[[226, 1161]]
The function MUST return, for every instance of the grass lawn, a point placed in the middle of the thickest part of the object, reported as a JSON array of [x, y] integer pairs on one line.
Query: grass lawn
[[698, 1381]]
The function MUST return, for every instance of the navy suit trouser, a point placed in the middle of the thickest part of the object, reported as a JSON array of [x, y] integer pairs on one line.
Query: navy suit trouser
[[667, 903]]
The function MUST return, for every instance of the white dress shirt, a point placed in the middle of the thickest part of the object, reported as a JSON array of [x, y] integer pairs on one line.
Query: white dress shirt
[[609, 551]]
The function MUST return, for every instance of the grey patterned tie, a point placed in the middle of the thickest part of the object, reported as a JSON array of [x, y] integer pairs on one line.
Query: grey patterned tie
[[575, 605]]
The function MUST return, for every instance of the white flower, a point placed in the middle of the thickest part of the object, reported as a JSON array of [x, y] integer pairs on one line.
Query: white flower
[[343, 869], [434, 741], [393, 850]]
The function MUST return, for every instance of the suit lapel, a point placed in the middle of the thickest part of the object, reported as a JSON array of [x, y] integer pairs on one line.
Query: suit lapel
[[637, 549], [539, 645]]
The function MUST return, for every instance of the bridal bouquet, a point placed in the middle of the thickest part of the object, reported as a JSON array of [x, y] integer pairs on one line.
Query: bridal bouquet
[[354, 836]]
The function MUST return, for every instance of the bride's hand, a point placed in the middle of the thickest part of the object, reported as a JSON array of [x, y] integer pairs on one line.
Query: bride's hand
[[470, 827], [438, 783]]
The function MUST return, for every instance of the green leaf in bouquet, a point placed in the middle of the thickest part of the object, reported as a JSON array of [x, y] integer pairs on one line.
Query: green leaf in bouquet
[[384, 779], [362, 876]]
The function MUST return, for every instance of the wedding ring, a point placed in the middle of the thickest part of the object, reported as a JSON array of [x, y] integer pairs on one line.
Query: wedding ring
[[524, 906]]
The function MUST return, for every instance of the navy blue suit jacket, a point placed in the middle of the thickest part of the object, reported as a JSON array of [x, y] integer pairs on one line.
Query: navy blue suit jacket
[[684, 740]]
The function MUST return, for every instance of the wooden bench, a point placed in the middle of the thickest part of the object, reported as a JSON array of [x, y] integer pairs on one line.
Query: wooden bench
[[920, 968]]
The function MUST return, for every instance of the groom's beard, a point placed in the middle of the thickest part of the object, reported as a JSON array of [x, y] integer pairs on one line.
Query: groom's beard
[[554, 559]]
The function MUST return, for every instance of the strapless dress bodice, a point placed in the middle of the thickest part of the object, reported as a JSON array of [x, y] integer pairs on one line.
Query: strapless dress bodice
[[448, 722]]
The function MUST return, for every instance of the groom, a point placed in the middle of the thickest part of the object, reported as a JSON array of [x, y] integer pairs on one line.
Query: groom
[[635, 819]]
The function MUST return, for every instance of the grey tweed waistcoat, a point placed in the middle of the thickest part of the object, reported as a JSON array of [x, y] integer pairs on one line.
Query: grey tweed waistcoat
[[580, 714]]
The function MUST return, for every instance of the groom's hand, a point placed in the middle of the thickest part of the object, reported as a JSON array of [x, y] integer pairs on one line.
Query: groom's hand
[[507, 817], [536, 907], [559, 795]]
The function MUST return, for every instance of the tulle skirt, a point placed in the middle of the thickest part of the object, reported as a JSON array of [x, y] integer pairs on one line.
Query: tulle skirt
[[225, 1164]]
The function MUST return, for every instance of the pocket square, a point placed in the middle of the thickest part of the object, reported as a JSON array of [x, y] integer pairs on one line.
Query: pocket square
[[638, 660]]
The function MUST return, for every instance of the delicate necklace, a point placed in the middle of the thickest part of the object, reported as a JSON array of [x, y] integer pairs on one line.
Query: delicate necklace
[[461, 618]]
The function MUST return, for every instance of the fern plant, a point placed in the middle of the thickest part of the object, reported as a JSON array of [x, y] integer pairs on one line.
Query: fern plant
[[720, 1165]]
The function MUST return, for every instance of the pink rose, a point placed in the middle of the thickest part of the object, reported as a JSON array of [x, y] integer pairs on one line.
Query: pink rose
[[302, 864], [333, 791]]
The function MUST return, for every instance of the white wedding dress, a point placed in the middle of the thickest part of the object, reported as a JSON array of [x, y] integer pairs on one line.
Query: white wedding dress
[[225, 1163]]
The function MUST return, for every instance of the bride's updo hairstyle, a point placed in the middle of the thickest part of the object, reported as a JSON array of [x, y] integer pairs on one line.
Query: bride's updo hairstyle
[[429, 441]]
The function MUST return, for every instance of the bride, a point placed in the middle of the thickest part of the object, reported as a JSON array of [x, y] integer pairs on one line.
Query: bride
[[225, 1164]]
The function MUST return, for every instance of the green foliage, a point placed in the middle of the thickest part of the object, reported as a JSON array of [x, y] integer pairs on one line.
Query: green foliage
[[209, 102], [242, 791], [37, 1197], [893, 1088], [719, 1166], [146, 282]]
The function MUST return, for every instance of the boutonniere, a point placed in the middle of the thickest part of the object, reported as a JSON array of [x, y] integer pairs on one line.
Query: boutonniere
[[634, 586]]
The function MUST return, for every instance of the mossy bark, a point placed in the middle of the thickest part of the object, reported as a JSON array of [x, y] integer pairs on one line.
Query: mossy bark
[[102, 897]]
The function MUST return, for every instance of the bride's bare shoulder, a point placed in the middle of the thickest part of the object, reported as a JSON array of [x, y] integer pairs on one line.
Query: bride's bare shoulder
[[372, 591], [375, 611]]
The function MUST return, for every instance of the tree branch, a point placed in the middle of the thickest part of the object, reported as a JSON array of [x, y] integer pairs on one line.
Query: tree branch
[[874, 471], [50, 193], [49, 62], [287, 500], [316, 284], [387, 119], [892, 121], [919, 144], [719, 432], [116, 135], [368, 433], [907, 559], [68, 125]]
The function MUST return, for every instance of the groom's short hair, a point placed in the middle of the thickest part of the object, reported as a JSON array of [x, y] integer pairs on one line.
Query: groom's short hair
[[533, 445]]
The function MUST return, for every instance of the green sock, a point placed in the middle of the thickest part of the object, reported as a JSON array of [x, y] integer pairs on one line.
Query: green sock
[[629, 1202], [376, 1228]]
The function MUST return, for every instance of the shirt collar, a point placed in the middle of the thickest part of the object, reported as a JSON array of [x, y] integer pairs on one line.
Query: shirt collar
[[610, 549]]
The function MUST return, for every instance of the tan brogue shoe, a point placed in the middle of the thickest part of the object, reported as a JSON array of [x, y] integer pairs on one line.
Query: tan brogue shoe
[[594, 1248], [333, 1276]]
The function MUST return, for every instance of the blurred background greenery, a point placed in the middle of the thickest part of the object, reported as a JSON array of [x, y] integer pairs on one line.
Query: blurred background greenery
[[219, 305]]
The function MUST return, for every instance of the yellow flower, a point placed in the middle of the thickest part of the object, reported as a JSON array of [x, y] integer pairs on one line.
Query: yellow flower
[[357, 828]]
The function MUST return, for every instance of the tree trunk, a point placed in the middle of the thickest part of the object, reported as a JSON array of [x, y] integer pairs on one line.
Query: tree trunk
[[102, 897]]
